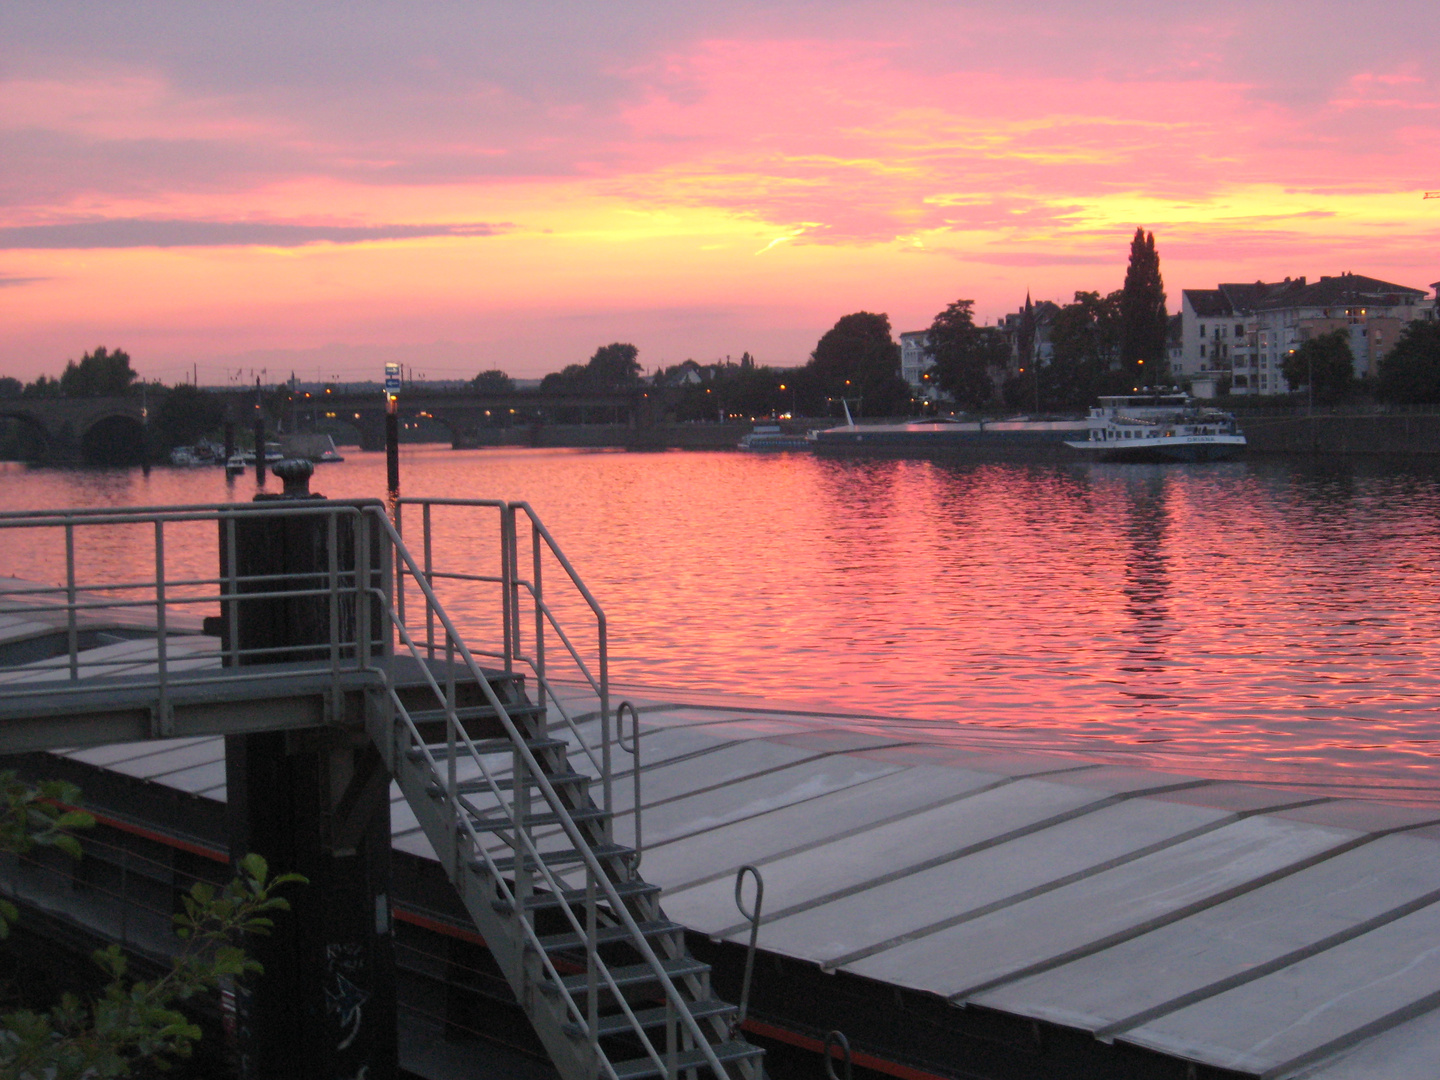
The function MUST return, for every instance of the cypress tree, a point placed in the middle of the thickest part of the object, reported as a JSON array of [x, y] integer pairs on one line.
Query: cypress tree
[[1143, 320]]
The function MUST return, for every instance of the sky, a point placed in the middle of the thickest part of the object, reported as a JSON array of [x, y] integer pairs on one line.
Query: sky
[[324, 187]]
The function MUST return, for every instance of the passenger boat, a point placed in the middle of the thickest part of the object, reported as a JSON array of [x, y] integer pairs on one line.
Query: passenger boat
[[1159, 427], [770, 437]]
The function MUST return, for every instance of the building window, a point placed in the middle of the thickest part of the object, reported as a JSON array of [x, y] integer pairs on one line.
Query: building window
[[1202, 352], [1202, 331]]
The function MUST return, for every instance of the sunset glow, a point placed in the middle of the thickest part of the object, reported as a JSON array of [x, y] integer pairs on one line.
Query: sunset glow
[[325, 188]]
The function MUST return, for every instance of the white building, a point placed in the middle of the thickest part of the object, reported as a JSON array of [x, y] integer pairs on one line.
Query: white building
[[913, 360], [1244, 332]]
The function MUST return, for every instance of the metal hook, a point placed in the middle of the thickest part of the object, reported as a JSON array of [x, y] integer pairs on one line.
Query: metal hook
[[754, 920], [837, 1038], [632, 862]]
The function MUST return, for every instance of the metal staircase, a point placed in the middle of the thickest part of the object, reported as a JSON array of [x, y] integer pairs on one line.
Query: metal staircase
[[514, 793], [504, 793]]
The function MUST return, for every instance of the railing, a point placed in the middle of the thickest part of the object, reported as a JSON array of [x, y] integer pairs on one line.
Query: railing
[[515, 591], [345, 568], [467, 848], [88, 581]]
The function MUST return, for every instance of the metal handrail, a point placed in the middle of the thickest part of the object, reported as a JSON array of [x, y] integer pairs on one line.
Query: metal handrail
[[79, 597], [838, 1039], [595, 872], [634, 751], [753, 918], [512, 585]]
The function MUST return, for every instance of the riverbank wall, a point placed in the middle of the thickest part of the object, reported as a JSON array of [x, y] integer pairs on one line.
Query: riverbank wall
[[640, 437], [1342, 434]]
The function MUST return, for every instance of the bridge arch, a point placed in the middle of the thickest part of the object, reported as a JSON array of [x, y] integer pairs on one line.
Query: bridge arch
[[23, 436], [114, 438]]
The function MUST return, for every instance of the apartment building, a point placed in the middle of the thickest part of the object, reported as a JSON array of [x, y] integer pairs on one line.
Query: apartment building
[[1242, 332]]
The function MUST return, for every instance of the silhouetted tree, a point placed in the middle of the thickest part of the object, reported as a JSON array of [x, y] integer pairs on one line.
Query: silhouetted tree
[[1085, 339], [10, 388], [963, 355], [185, 415], [613, 366], [1325, 364], [1144, 324], [42, 387], [857, 359], [493, 381], [98, 374], [1410, 372]]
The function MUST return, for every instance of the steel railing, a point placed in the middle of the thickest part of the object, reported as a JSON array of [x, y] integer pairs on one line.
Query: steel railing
[[515, 591], [95, 601], [363, 576]]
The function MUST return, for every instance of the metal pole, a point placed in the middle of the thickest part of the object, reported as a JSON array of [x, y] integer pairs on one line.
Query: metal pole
[[392, 445], [72, 636]]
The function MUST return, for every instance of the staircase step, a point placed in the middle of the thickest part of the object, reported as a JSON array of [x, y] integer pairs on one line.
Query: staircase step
[[506, 783], [605, 935], [516, 710], [639, 1068], [638, 974], [495, 823], [441, 750], [619, 1023], [554, 858], [577, 896]]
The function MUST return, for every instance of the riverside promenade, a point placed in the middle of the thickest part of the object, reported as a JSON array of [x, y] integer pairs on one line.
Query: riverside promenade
[[977, 912]]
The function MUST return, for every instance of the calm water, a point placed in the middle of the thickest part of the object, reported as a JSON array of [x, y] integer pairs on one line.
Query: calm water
[[1268, 620]]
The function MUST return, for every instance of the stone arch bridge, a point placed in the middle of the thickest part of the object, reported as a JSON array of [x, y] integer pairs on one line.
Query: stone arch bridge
[[472, 417], [71, 431]]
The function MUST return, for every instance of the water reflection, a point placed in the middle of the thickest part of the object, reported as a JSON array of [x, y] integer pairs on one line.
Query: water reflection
[[1268, 620]]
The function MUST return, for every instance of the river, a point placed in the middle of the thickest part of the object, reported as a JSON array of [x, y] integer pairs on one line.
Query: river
[[1274, 620]]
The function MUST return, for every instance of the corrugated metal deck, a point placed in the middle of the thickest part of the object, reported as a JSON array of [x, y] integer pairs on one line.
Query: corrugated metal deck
[[1268, 932]]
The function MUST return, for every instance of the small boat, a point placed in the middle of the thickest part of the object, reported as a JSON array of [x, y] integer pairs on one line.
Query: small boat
[[185, 457], [1159, 427], [770, 437], [245, 459]]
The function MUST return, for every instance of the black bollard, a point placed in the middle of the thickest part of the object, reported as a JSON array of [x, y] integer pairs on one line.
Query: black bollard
[[259, 451], [392, 448], [315, 802]]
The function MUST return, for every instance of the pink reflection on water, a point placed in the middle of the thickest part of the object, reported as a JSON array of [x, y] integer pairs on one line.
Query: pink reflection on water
[[1260, 620]]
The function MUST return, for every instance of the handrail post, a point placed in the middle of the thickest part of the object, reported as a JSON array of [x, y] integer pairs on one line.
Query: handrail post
[[232, 577], [362, 592], [332, 546], [634, 750], [162, 718], [838, 1039], [606, 766], [429, 580], [753, 917], [539, 617], [507, 577], [395, 590], [72, 628], [391, 600]]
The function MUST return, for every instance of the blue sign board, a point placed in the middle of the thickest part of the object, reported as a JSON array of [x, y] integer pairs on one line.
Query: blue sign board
[[392, 377]]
